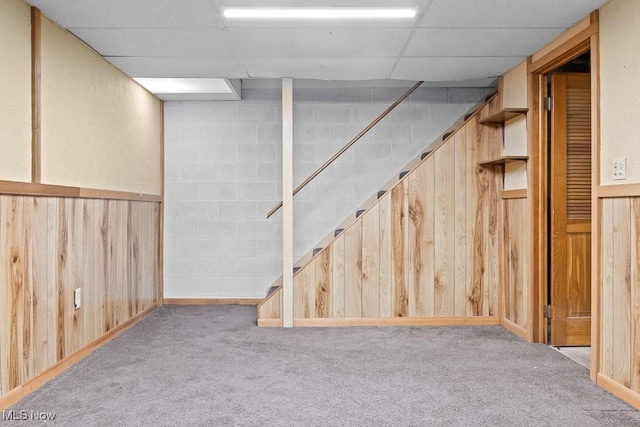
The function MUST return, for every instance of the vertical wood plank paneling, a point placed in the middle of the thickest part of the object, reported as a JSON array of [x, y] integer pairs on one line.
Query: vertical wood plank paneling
[[324, 277], [399, 249], [417, 245], [3, 305], [476, 190], [635, 294], [445, 231], [371, 264], [88, 287], [26, 311], [607, 238], [494, 206], [5, 300], [462, 303], [622, 292], [61, 283], [507, 291], [337, 262], [101, 266], [38, 277], [12, 299], [515, 271], [51, 246], [53, 224], [123, 247], [112, 266], [386, 265], [428, 228], [75, 273], [304, 284], [525, 254], [353, 270]]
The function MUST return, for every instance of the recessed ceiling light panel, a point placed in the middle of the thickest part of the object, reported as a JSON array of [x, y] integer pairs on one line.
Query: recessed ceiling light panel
[[320, 13]]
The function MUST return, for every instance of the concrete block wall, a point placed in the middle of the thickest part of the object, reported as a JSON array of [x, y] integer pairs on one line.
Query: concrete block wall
[[223, 173]]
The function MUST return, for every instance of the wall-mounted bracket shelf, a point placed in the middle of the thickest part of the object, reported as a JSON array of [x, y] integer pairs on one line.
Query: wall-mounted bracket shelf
[[503, 160], [503, 115]]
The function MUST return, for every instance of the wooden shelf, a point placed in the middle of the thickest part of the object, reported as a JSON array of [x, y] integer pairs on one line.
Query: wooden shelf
[[503, 160], [504, 115]]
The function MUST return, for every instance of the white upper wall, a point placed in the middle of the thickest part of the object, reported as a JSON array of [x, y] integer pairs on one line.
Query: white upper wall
[[15, 91], [620, 89]]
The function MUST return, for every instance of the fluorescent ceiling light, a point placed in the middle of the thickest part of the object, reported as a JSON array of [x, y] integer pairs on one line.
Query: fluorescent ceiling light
[[175, 85], [320, 13]]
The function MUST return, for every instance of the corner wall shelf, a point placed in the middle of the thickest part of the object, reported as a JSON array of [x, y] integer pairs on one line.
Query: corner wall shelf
[[503, 115], [503, 160]]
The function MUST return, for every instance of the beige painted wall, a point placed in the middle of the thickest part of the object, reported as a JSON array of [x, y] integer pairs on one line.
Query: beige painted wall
[[514, 95], [514, 87], [620, 89], [15, 91], [100, 129]]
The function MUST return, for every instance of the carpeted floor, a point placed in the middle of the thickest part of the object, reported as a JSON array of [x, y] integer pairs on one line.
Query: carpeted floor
[[211, 366]]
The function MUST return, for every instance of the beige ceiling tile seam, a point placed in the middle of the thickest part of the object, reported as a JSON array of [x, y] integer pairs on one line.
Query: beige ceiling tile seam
[[415, 27]]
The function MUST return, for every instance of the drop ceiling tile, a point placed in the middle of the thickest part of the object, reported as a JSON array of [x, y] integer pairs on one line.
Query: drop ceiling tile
[[454, 69], [130, 13], [179, 67], [320, 68], [479, 41], [156, 41], [318, 42], [508, 13]]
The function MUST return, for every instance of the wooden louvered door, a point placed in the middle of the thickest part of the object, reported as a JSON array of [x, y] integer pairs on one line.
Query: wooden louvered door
[[571, 209]]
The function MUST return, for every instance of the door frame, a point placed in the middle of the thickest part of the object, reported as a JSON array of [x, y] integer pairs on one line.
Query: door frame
[[583, 41]]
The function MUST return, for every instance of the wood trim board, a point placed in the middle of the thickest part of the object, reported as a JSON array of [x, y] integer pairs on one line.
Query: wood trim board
[[515, 329], [612, 191], [213, 301], [618, 390], [36, 95], [36, 189], [514, 194], [391, 321]]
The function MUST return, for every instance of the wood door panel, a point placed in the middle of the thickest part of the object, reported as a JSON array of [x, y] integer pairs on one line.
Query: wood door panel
[[571, 209]]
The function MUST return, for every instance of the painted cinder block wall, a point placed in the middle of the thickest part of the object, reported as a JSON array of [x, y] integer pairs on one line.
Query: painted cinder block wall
[[223, 174]]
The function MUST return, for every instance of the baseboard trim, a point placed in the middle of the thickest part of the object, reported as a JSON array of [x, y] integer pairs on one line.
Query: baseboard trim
[[618, 390], [270, 323], [18, 393], [213, 301], [391, 321], [515, 329]]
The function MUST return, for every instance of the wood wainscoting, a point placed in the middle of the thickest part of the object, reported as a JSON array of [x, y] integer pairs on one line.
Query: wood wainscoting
[[619, 364], [50, 246], [428, 251]]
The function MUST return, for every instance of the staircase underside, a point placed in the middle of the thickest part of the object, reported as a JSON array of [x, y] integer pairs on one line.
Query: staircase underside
[[424, 251]]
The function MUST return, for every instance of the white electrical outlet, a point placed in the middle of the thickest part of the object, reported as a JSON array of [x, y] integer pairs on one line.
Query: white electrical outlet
[[620, 168], [77, 298]]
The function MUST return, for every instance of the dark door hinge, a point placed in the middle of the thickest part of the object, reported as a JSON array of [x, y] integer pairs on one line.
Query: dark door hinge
[[548, 312]]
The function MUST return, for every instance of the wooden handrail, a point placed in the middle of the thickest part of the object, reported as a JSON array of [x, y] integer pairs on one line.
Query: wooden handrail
[[348, 145]]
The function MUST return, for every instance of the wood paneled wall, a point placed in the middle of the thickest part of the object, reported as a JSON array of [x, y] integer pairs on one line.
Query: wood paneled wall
[[50, 246], [620, 295], [516, 256], [430, 247]]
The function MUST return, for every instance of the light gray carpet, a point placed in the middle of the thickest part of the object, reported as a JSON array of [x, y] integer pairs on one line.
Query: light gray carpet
[[211, 366]]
